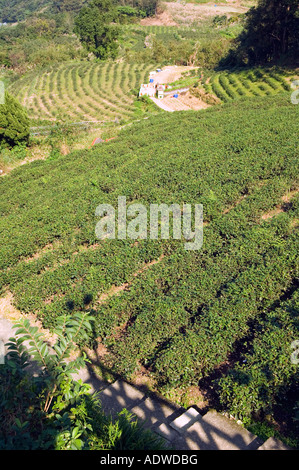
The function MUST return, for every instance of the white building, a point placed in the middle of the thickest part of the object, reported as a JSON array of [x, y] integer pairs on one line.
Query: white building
[[161, 89], [147, 89]]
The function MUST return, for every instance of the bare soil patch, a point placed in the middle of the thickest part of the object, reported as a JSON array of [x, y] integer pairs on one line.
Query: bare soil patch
[[117, 289], [185, 102], [143, 377], [192, 13], [12, 314], [171, 73], [286, 199], [193, 102], [162, 18]]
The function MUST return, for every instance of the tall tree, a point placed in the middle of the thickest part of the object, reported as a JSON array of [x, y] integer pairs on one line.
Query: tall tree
[[14, 123], [270, 32], [94, 29]]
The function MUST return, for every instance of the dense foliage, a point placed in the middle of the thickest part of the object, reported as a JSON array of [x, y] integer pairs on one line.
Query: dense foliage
[[270, 33], [14, 123], [39, 41], [73, 6], [42, 406], [257, 378], [46, 34], [47, 38], [188, 314], [94, 29], [16, 10]]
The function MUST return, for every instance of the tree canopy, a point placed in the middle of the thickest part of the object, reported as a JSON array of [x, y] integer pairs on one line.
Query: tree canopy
[[270, 33], [18, 10], [14, 123], [94, 29], [68, 5]]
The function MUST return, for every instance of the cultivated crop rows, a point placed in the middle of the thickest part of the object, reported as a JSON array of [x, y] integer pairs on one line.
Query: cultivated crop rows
[[83, 91], [157, 30], [183, 317], [254, 82], [135, 34]]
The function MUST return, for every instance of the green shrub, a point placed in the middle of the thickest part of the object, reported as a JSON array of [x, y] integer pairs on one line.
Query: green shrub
[[259, 380], [14, 123], [50, 410]]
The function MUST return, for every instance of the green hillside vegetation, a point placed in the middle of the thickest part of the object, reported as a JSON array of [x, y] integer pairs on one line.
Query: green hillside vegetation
[[212, 328], [16, 10], [48, 38], [82, 91], [105, 91], [45, 35], [244, 83], [193, 315]]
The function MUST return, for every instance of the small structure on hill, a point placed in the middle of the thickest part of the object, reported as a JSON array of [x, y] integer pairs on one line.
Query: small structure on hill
[[98, 140], [147, 89], [148, 42], [160, 90]]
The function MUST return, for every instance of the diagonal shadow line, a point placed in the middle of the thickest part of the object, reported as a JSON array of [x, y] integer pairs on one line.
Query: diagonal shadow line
[[213, 434], [209, 436], [107, 373]]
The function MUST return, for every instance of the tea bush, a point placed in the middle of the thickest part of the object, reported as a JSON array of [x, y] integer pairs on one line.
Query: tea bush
[[186, 315]]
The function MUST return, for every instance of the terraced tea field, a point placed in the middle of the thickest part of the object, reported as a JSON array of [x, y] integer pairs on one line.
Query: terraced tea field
[[83, 91], [161, 313], [134, 35], [248, 83], [105, 92], [155, 29]]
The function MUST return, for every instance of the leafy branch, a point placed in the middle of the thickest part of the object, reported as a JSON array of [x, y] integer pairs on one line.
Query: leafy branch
[[54, 363]]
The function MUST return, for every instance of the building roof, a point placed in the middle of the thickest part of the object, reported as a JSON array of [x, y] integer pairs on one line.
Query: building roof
[[147, 89]]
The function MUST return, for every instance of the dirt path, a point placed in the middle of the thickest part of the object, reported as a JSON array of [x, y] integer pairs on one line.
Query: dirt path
[[282, 207], [184, 14], [162, 18], [9, 315], [171, 73]]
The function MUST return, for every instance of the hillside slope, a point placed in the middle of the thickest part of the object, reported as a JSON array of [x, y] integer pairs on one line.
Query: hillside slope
[[17, 10], [178, 315]]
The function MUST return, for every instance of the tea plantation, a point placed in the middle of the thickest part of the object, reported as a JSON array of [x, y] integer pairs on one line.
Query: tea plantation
[[92, 92], [229, 310], [246, 83]]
